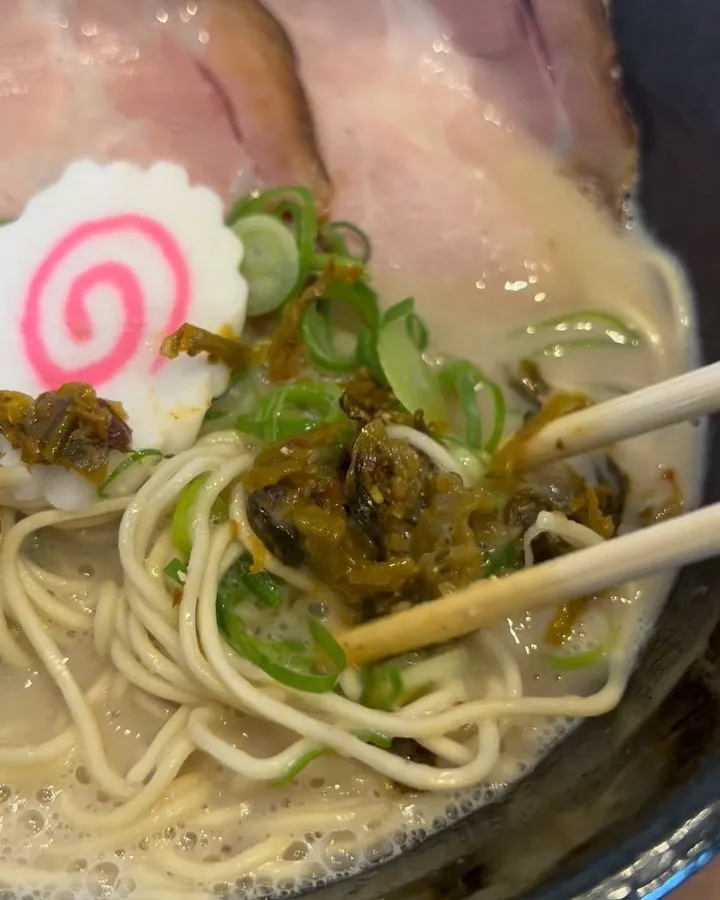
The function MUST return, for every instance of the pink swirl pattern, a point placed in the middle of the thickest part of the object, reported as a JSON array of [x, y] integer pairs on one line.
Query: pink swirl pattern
[[76, 317]]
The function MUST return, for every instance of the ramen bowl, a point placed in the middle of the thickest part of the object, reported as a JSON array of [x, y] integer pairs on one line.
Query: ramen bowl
[[225, 729]]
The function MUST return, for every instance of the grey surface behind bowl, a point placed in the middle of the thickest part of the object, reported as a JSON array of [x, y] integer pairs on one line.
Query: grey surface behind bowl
[[685, 71]]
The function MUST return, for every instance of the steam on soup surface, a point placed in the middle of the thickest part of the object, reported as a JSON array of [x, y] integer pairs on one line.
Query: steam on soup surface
[[179, 713]]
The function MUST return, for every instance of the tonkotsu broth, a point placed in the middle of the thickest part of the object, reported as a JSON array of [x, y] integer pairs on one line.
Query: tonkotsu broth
[[337, 816]]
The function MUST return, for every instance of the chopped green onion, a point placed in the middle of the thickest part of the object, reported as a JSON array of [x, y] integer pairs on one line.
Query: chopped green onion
[[472, 462], [502, 560], [374, 738], [569, 659], [358, 297], [558, 349], [438, 669], [579, 330], [118, 484], [175, 570], [367, 355], [266, 202], [369, 737], [316, 330], [218, 421], [340, 264], [219, 511], [288, 210], [574, 661], [461, 377], [585, 320], [499, 498], [239, 581], [223, 421], [327, 643], [382, 686], [340, 244], [465, 380], [270, 264], [400, 310], [291, 410], [411, 379], [331, 239], [180, 525], [180, 529], [313, 669], [289, 427], [300, 763], [296, 203], [213, 415], [417, 330], [390, 685], [238, 399]]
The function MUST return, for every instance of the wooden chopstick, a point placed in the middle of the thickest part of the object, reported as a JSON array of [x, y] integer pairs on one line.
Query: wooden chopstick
[[676, 542], [678, 399]]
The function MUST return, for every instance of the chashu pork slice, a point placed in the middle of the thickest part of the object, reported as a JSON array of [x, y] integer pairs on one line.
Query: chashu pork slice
[[210, 85]]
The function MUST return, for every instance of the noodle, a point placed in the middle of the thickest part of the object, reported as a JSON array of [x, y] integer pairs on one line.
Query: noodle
[[55, 662], [434, 451], [240, 762], [53, 609], [247, 861], [175, 756], [171, 730], [186, 794]]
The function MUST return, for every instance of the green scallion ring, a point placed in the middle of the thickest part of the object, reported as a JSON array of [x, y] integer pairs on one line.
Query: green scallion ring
[[114, 484], [316, 328], [295, 203], [270, 264], [413, 382]]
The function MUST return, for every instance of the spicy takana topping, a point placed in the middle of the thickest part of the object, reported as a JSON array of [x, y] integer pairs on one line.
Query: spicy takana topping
[[192, 340], [70, 427]]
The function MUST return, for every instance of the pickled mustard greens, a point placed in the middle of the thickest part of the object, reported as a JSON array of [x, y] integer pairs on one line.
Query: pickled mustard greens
[[192, 340], [71, 427]]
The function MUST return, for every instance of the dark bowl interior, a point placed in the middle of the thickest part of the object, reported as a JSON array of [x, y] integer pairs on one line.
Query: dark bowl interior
[[631, 801]]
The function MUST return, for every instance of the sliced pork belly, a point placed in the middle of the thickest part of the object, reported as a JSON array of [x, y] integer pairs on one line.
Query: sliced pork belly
[[548, 66], [211, 85]]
